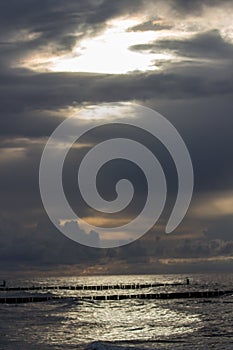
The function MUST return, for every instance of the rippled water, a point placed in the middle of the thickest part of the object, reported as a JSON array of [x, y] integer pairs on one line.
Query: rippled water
[[125, 324]]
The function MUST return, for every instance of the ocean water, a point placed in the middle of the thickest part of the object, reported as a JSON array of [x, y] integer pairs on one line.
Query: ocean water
[[120, 324]]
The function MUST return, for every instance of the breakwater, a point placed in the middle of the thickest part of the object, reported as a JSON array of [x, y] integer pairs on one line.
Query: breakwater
[[159, 296]]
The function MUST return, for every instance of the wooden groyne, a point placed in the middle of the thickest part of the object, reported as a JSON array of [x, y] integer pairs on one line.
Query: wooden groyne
[[93, 287], [158, 296], [28, 299]]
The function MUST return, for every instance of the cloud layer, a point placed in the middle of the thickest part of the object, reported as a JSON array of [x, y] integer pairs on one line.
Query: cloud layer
[[191, 85]]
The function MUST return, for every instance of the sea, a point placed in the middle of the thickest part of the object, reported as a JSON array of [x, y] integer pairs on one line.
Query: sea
[[130, 324]]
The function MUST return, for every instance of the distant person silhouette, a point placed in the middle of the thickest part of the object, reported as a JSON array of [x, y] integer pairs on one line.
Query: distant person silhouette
[[3, 283]]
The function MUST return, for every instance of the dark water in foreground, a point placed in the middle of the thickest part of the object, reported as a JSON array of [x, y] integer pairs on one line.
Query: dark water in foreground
[[125, 324]]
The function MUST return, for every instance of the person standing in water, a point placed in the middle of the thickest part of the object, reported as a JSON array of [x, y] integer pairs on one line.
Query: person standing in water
[[3, 283]]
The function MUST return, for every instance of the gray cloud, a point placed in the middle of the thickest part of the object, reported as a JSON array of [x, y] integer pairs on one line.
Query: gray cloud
[[195, 96], [90, 239], [221, 228], [24, 95], [41, 244], [205, 45], [195, 7], [150, 25], [54, 26]]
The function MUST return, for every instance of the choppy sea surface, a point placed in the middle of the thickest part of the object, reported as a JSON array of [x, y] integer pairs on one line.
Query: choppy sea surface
[[120, 324]]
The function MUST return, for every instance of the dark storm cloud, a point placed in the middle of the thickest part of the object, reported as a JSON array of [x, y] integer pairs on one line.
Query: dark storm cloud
[[195, 7], [220, 228], [209, 143], [22, 96], [60, 16], [206, 125], [204, 45], [55, 26], [150, 25], [22, 90], [40, 244], [196, 97]]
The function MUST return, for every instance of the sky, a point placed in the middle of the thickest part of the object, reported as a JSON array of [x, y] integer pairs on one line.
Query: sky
[[62, 58]]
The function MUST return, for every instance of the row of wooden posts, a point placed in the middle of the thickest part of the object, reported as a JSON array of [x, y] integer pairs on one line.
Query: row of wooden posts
[[159, 296], [91, 287]]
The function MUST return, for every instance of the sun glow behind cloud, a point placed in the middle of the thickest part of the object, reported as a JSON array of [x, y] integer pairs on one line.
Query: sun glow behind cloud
[[216, 205], [107, 53]]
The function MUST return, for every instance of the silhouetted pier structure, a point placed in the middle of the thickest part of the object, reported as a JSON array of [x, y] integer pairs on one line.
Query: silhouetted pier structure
[[157, 296], [93, 287]]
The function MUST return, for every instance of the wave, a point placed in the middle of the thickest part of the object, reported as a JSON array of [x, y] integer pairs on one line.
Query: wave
[[99, 345], [133, 344]]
